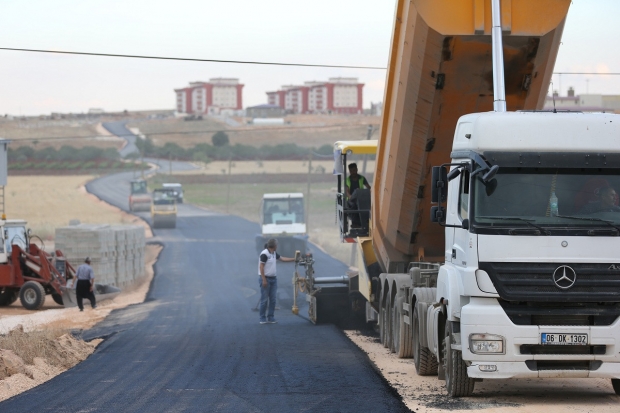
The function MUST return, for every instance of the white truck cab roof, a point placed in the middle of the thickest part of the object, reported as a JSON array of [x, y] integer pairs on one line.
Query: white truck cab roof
[[283, 195], [538, 132]]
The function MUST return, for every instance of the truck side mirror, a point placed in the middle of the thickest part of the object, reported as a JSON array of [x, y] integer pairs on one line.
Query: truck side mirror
[[438, 214], [439, 184]]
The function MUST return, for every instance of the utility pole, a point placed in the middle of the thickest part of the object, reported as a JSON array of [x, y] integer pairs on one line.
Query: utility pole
[[308, 191], [369, 131], [170, 163], [228, 186]]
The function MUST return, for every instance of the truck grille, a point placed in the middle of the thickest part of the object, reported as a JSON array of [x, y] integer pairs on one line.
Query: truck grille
[[561, 314], [571, 350], [541, 365], [535, 282]]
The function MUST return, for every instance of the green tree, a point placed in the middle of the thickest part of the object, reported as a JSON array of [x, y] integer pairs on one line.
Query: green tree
[[220, 139], [146, 146]]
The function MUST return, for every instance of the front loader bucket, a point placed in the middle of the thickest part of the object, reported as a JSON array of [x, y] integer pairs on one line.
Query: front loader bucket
[[102, 292]]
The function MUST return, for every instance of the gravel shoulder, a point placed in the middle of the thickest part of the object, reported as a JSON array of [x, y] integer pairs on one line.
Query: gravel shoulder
[[427, 394]]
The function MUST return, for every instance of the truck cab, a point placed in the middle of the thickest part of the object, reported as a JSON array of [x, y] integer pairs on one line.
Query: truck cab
[[532, 229], [282, 216]]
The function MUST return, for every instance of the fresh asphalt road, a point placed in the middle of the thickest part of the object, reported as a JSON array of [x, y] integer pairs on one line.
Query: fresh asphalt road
[[195, 345], [119, 129]]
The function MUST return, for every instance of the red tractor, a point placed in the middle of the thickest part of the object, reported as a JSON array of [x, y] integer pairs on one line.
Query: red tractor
[[28, 272]]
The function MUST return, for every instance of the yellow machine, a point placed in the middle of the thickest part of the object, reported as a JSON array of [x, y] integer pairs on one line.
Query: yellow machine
[[163, 209]]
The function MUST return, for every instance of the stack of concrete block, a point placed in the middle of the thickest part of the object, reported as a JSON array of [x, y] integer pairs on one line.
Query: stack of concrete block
[[116, 252]]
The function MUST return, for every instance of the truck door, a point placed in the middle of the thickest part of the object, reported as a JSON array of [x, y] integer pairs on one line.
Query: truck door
[[461, 248]]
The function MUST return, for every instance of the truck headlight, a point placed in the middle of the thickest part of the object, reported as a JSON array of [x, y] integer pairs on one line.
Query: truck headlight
[[486, 344]]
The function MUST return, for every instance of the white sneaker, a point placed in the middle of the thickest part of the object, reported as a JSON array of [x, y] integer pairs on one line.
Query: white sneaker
[[263, 322], [272, 322]]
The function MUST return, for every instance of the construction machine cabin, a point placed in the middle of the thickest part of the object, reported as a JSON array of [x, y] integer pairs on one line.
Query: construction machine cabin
[[440, 69]]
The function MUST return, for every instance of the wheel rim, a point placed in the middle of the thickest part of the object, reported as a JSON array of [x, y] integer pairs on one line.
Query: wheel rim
[[30, 296]]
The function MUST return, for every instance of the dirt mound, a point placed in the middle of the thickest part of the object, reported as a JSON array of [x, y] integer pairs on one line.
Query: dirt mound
[[28, 359]]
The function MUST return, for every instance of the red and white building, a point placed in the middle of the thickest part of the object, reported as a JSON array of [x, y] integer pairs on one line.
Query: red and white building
[[211, 98], [337, 95]]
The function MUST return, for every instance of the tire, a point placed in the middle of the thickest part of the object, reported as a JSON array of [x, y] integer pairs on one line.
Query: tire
[[615, 383], [401, 332], [57, 298], [388, 325], [32, 295], [425, 362], [384, 318], [458, 383], [8, 296]]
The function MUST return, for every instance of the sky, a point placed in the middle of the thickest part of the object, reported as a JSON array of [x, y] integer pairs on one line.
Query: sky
[[330, 32]]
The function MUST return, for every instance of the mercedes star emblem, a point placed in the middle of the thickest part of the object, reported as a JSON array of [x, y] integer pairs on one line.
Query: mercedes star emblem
[[564, 277]]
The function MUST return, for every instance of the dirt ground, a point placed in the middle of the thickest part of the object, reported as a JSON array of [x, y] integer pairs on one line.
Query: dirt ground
[[305, 130], [427, 394], [53, 317]]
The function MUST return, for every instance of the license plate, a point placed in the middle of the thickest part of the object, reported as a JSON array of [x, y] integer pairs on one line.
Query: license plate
[[564, 339]]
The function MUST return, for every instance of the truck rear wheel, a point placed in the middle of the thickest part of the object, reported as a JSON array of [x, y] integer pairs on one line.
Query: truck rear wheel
[[8, 296], [615, 383], [401, 337], [32, 295], [425, 361], [384, 326], [458, 383]]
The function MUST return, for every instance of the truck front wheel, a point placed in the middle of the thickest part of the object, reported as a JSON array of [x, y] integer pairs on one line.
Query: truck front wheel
[[458, 382], [32, 295], [615, 383], [425, 362]]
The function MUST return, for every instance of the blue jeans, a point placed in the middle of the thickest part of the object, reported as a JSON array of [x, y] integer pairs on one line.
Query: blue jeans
[[268, 294]]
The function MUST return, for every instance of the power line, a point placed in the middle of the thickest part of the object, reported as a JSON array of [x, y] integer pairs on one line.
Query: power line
[[247, 62], [189, 59]]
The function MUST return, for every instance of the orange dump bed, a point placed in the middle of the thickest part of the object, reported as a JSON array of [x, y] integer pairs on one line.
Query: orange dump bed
[[440, 68]]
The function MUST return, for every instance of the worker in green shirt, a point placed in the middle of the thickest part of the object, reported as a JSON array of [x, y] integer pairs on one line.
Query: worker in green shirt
[[353, 182]]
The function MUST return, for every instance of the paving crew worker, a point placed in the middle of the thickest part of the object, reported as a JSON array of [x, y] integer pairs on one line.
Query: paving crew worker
[[268, 282], [85, 284], [353, 182]]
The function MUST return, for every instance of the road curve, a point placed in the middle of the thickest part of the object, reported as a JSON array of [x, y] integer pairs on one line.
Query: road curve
[[196, 345]]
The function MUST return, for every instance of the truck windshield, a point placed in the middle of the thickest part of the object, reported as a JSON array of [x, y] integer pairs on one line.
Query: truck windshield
[[548, 198], [283, 211], [138, 187], [163, 198]]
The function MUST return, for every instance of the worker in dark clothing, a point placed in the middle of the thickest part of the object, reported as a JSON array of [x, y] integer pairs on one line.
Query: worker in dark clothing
[[353, 182], [85, 284]]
